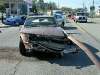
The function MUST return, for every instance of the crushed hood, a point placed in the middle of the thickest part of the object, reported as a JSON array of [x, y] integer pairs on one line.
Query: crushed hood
[[54, 31]]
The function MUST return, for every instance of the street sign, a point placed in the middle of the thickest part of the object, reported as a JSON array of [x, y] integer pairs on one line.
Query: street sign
[[30, 5], [92, 7], [28, 1], [43, 4]]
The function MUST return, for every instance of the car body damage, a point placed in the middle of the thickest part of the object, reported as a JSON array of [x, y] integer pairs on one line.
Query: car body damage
[[47, 39]]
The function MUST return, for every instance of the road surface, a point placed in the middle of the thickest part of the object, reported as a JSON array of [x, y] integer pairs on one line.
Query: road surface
[[12, 63]]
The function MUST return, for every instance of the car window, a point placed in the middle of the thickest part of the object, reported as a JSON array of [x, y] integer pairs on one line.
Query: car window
[[23, 18], [80, 14], [40, 21], [58, 17]]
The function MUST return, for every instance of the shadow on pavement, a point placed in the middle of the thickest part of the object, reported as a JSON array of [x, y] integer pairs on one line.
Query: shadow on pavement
[[69, 28], [74, 33], [79, 60], [68, 22]]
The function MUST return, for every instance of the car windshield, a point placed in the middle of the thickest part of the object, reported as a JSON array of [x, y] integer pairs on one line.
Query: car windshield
[[80, 14], [40, 21], [59, 12], [17, 17]]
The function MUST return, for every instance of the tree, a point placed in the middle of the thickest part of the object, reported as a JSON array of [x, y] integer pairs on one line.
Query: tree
[[2, 6], [52, 6], [78, 9], [42, 7], [65, 9], [33, 9]]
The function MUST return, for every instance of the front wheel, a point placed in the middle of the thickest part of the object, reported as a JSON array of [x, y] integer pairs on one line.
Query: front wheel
[[17, 23], [62, 25], [22, 48], [85, 21]]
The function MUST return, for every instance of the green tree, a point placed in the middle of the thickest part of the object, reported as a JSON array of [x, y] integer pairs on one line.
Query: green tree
[[52, 6], [65, 9], [2, 6], [78, 9], [33, 9], [42, 8]]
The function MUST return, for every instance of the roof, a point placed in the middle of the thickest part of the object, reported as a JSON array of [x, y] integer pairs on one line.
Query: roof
[[40, 16], [12, 1]]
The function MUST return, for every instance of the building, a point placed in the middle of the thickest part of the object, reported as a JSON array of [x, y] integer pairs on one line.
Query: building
[[22, 9]]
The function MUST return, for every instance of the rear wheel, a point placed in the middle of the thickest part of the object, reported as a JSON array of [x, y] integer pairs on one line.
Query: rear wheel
[[22, 47]]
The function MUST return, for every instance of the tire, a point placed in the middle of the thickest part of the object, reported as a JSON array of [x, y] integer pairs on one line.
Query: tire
[[76, 21], [85, 21], [22, 48], [17, 23], [62, 24]]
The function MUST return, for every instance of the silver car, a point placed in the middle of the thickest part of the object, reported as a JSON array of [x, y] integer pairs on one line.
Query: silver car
[[60, 19]]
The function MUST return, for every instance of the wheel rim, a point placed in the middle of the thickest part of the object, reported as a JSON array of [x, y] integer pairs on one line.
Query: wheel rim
[[17, 23]]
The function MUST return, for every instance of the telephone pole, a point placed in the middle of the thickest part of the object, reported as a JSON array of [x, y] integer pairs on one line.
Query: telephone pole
[[93, 2], [83, 6]]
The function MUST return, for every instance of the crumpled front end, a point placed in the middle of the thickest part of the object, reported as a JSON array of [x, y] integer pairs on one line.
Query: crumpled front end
[[46, 43]]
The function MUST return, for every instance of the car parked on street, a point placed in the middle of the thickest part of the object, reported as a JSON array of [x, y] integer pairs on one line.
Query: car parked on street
[[60, 19], [42, 33], [80, 17], [16, 20]]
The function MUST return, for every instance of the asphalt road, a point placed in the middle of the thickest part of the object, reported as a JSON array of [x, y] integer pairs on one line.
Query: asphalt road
[[12, 63]]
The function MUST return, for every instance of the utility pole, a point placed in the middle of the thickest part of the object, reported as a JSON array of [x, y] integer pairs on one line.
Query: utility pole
[[93, 2], [58, 5], [83, 6], [93, 9]]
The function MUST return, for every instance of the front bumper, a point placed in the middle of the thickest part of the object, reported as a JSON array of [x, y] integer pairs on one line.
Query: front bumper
[[82, 20], [10, 23]]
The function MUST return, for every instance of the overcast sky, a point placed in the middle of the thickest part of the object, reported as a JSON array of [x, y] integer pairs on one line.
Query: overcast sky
[[76, 3]]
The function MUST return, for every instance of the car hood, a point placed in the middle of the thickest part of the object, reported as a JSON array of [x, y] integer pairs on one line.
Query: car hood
[[54, 31], [11, 19]]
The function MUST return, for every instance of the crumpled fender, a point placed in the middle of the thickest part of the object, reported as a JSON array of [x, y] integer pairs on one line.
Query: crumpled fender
[[86, 50], [25, 41]]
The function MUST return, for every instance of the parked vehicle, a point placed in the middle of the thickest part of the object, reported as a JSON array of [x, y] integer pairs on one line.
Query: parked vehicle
[[42, 33], [80, 17], [60, 19], [16, 20]]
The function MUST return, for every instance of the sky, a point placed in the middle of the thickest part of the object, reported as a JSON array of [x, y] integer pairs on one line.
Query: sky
[[76, 3]]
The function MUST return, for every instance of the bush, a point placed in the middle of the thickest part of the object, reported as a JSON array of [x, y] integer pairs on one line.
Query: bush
[[94, 16]]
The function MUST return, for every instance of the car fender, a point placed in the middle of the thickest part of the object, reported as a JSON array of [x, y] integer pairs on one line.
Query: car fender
[[25, 41], [86, 50]]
